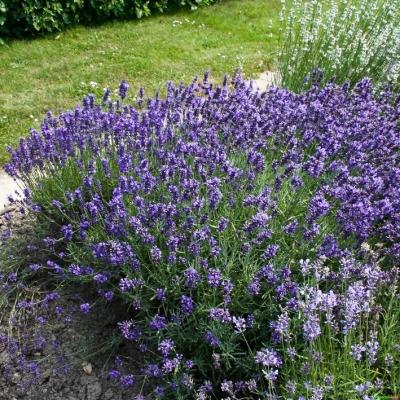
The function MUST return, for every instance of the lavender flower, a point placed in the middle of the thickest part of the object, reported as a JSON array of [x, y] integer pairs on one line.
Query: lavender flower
[[123, 88], [158, 323], [268, 358], [214, 277], [166, 346], [129, 330], [212, 339], [67, 232], [192, 277], [311, 328], [187, 305], [85, 308], [127, 381]]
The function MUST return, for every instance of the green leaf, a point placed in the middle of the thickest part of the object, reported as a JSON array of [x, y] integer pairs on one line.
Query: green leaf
[[139, 12]]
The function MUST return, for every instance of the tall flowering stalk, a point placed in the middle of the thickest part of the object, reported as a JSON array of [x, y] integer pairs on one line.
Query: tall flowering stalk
[[346, 40]]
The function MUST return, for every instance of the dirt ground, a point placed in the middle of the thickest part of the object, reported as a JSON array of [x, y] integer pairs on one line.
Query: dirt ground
[[85, 335]]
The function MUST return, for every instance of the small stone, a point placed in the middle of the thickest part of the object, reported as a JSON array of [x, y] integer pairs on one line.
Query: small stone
[[4, 357], [87, 368], [16, 378]]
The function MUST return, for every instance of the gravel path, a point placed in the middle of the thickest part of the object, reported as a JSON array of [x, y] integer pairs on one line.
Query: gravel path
[[265, 80], [7, 187]]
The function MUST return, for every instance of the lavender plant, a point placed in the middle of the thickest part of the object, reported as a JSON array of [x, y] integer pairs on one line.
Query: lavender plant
[[252, 237], [346, 40]]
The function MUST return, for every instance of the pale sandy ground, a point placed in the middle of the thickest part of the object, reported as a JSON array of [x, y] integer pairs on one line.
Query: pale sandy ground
[[265, 80], [8, 185]]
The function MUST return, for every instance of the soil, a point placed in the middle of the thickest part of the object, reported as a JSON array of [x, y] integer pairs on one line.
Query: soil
[[87, 375]]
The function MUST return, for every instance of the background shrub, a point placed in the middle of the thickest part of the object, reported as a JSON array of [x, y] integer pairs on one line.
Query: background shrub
[[251, 237], [41, 16], [346, 40]]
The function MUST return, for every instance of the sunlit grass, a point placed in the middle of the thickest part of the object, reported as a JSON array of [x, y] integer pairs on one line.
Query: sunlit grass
[[52, 73]]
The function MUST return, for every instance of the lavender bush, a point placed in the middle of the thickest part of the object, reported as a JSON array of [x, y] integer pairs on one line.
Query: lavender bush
[[252, 237], [347, 40]]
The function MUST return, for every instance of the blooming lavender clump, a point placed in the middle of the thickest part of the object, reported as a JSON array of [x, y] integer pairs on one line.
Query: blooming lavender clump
[[231, 227]]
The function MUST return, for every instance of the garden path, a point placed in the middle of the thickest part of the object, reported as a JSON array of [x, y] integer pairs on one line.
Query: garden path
[[7, 187], [265, 80]]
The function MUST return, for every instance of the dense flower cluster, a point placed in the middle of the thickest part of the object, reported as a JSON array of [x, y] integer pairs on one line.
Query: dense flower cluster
[[245, 231]]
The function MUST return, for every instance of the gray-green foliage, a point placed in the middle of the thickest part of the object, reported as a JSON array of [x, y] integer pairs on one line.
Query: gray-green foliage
[[346, 40]]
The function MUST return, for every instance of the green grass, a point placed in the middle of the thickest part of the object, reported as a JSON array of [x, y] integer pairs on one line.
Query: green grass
[[53, 72]]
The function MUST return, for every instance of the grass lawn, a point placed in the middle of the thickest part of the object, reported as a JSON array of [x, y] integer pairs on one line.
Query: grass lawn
[[53, 72]]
